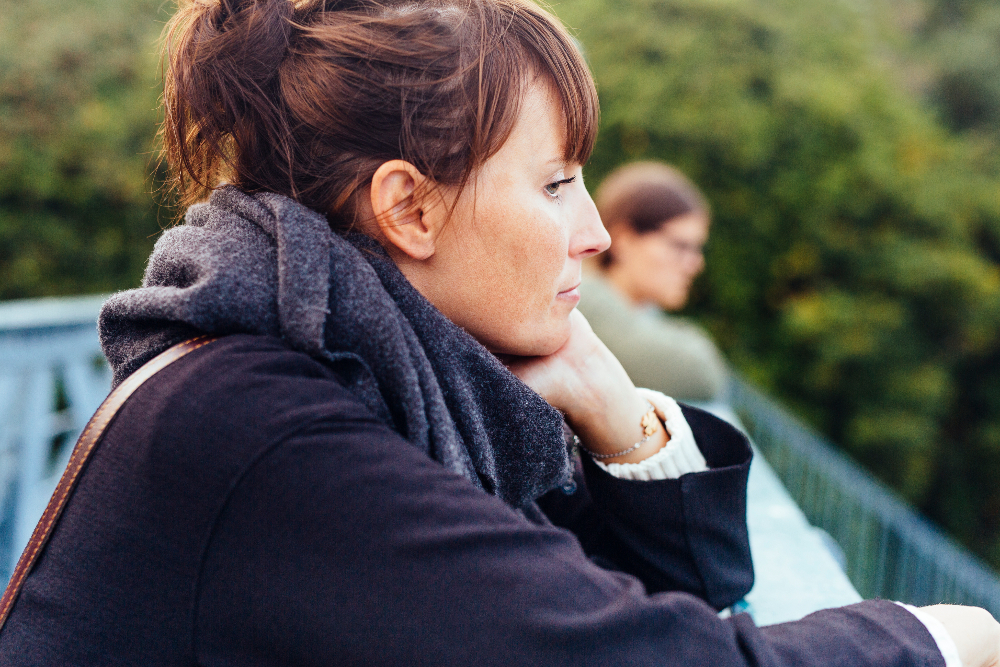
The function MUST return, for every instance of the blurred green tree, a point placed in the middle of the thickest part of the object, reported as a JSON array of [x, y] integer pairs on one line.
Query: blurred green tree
[[960, 46], [78, 98], [847, 272]]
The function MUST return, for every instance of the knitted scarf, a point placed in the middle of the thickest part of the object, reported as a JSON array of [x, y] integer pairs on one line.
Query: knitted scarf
[[264, 264]]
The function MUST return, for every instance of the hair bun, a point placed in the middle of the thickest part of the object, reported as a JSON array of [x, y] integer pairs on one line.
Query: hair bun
[[308, 98], [252, 35]]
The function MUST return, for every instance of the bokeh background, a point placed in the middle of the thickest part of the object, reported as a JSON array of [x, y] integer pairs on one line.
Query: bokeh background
[[849, 148]]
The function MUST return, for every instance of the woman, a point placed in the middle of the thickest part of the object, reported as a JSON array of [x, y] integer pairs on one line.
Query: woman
[[350, 476], [658, 222]]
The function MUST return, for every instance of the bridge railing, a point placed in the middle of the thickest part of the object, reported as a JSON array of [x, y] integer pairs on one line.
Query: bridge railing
[[53, 377], [891, 551]]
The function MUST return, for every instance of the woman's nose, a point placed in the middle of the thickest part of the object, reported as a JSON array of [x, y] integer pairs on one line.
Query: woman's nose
[[589, 236]]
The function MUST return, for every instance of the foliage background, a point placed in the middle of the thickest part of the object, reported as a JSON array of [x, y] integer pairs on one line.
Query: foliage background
[[853, 266], [78, 97], [849, 149]]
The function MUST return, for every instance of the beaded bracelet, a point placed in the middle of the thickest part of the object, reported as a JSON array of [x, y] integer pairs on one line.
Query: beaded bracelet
[[650, 425]]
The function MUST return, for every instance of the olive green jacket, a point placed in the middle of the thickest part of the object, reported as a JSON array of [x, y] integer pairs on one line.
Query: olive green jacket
[[658, 351]]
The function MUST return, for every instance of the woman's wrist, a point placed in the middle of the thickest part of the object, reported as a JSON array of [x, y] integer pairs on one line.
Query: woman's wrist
[[606, 411], [622, 428]]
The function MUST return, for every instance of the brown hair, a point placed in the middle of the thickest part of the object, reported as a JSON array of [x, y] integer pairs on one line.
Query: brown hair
[[308, 98], [646, 196]]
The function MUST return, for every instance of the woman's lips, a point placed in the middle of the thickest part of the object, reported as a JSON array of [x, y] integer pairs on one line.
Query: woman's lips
[[572, 294]]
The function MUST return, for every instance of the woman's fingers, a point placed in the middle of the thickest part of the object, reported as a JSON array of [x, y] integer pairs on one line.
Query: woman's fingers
[[975, 632], [558, 377], [588, 384]]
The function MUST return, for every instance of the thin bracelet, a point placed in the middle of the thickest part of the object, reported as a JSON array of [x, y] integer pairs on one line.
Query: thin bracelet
[[649, 428]]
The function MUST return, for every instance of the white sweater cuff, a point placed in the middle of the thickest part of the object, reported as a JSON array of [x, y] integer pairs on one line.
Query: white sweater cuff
[[941, 637], [678, 457]]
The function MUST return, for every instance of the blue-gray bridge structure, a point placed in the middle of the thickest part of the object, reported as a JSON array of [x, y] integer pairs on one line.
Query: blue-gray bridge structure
[[53, 376], [890, 550]]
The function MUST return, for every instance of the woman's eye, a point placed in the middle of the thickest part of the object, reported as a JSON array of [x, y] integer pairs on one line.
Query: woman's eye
[[552, 189]]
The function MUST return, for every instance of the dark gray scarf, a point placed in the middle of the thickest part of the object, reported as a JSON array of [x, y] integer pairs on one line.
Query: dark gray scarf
[[264, 264]]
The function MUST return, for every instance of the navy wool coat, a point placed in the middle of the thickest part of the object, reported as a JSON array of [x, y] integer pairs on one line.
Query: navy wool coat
[[246, 509]]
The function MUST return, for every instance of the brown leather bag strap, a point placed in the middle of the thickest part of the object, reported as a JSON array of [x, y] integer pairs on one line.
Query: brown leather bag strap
[[85, 445]]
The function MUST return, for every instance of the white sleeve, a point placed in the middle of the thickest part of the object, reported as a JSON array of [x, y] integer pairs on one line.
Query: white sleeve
[[941, 637], [678, 457]]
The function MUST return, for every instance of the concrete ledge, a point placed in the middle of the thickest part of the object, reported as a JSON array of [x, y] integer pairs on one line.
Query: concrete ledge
[[50, 312], [795, 571]]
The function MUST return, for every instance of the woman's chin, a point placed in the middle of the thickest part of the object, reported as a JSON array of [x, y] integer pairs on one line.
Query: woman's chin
[[542, 344]]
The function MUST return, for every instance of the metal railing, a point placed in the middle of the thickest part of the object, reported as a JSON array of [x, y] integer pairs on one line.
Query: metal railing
[[891, 551], [52, 378]]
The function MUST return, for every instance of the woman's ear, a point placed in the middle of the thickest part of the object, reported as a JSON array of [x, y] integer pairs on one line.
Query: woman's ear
[[398, 194]]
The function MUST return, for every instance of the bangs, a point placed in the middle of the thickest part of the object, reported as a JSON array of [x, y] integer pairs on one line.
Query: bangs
[[557, 56], [528, 42]]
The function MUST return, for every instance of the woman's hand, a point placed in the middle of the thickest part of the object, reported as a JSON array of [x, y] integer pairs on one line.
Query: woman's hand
[[975, 632], [586, 382]]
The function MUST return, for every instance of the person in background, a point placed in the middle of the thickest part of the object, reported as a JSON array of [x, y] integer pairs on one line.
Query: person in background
[[658, 221]]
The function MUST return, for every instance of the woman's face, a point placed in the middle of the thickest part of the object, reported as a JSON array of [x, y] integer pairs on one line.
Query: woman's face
[[506, 265], [659, 267]]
